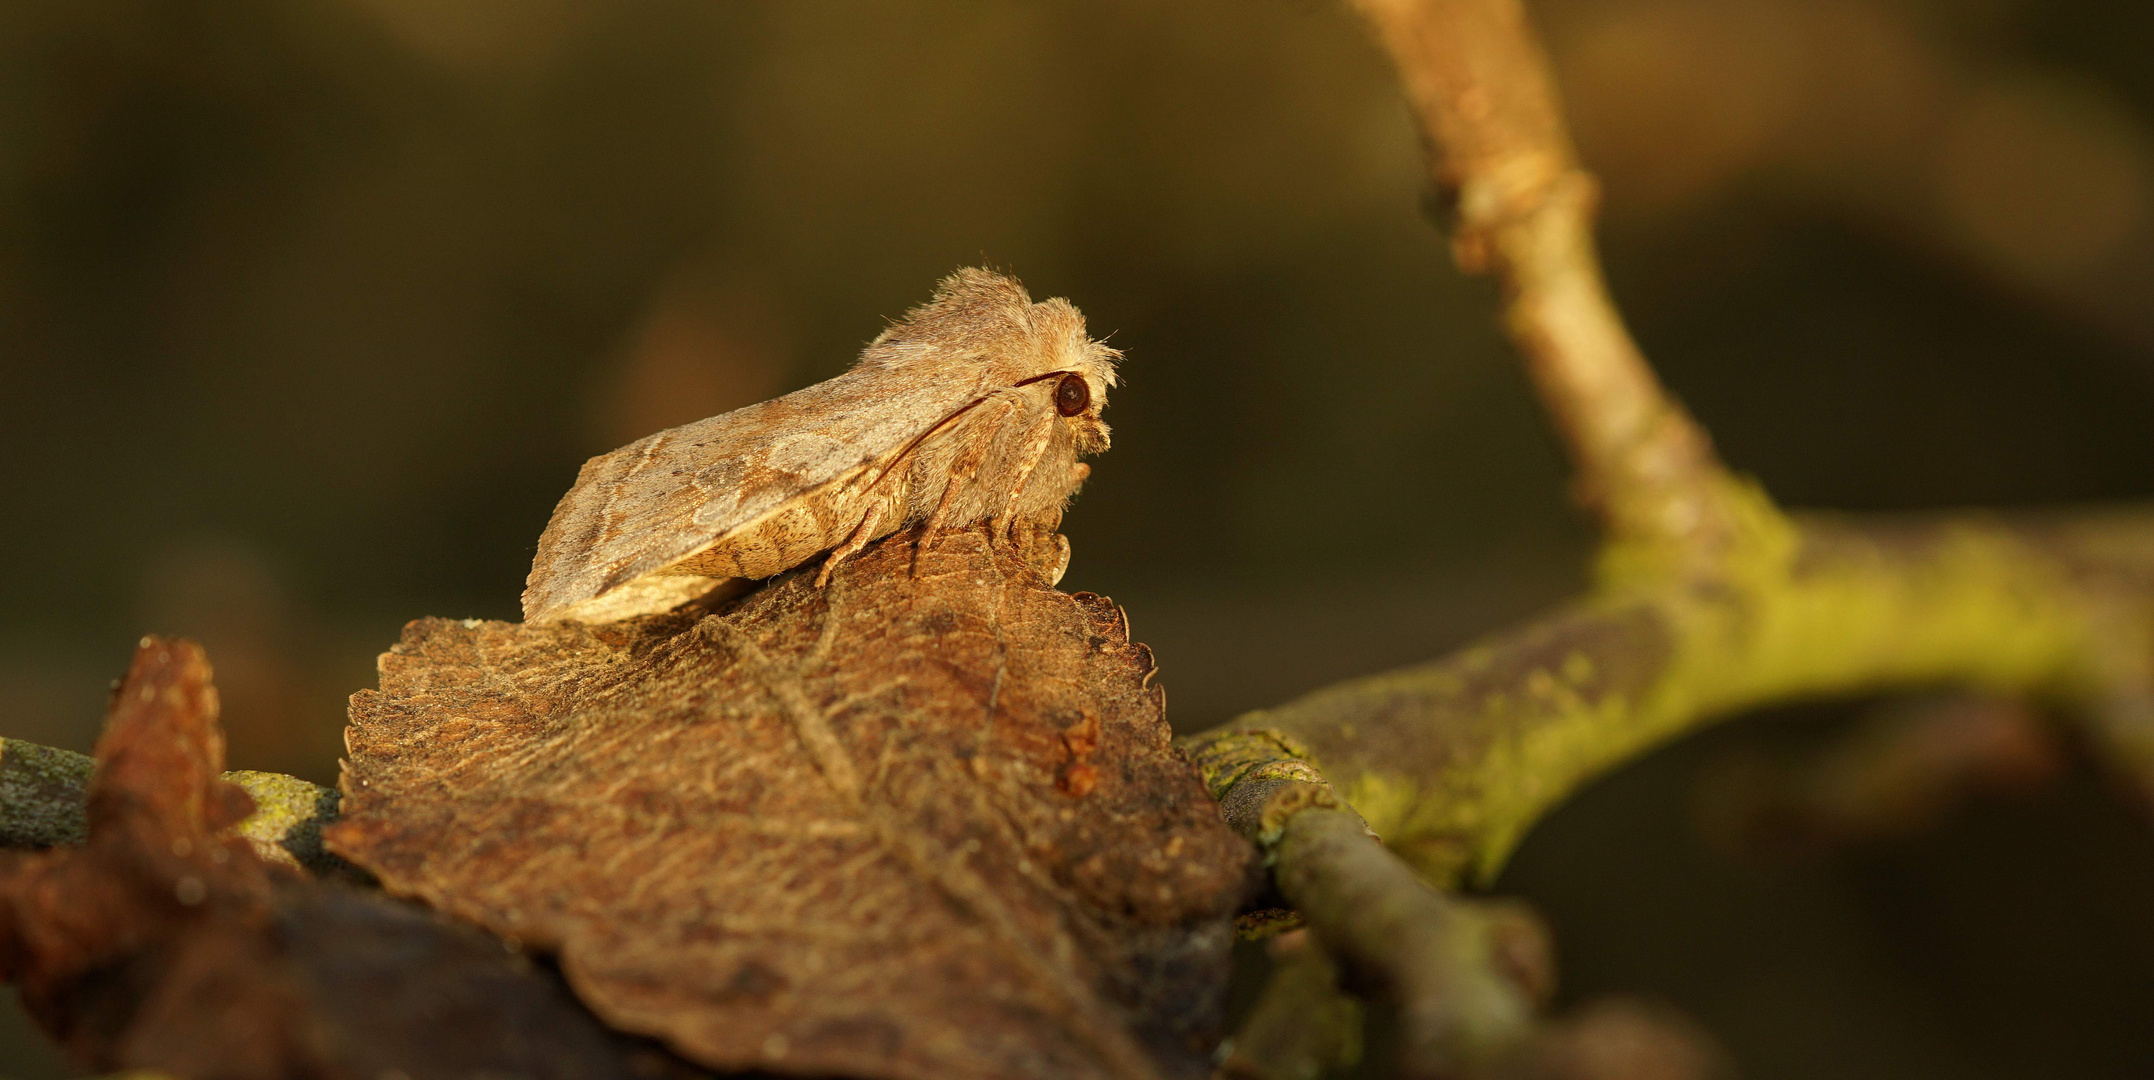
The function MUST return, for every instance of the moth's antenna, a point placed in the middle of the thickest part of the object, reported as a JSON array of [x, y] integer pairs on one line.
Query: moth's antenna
[[947, 420], [923, 436]]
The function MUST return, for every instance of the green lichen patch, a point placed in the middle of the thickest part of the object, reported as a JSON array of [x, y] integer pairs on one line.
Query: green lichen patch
[[42, 793]]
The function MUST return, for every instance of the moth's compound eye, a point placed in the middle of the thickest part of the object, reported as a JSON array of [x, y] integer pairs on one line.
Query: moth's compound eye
[[1072, 395]]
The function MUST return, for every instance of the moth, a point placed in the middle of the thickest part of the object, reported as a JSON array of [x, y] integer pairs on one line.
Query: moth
[[975, 407]]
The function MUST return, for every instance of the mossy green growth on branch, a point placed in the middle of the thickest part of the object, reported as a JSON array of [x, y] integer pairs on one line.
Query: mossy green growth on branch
[[44, 794], [41, 794], [1451, 762]]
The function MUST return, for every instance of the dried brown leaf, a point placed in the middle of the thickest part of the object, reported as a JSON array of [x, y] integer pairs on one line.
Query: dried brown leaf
[[924, 823], [165, 943], [153, 864]]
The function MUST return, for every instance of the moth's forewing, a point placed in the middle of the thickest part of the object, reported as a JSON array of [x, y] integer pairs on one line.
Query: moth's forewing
[[648, 506]]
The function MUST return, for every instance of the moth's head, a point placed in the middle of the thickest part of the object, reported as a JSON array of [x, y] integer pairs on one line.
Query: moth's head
[[984, 326], [1072, 371]]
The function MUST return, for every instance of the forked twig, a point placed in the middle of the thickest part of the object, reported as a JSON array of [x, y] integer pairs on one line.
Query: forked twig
[[1500, 157], [1710, 599]]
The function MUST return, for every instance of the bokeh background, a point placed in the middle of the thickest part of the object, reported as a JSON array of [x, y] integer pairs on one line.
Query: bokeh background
[[309, 310]]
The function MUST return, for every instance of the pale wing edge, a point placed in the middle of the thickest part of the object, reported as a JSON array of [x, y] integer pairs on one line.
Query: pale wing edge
[[544, 599]]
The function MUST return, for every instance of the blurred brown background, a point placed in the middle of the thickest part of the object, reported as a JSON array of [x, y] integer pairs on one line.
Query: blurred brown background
[[310, 310]]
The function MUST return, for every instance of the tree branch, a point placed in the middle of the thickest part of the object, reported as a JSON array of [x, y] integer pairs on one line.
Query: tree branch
[[1452, 761], [1709, 600], [1304, 1025], [43, 791], [1500, 157], [1466, 976], [1429, 953]]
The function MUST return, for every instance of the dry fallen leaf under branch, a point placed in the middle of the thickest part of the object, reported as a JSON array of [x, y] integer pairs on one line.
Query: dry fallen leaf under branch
[[924, 823], [164, 943]]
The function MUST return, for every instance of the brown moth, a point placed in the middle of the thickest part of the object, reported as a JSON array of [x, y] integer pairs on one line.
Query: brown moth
[[975, 407]]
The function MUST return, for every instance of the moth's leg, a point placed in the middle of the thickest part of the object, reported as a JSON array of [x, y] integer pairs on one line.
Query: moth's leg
[[1080, 472], [941, 514], [852, 544], [1035, 448], [975, 438]]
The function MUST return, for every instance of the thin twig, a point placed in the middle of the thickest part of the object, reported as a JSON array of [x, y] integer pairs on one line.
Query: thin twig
[[1426, 952], [1304, 1026], [1467, 977], [1500, 156]]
